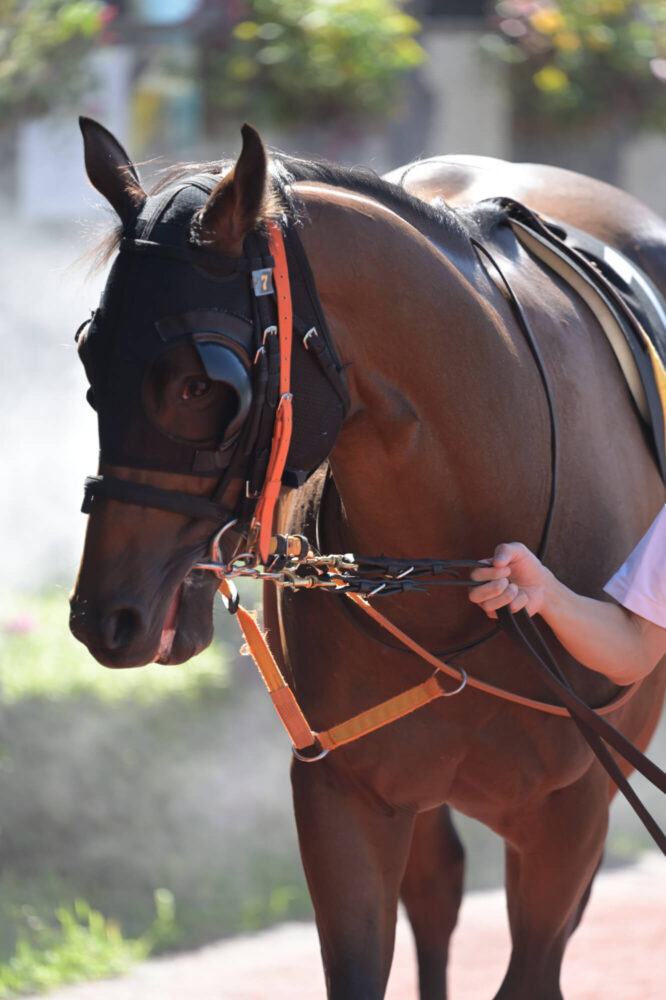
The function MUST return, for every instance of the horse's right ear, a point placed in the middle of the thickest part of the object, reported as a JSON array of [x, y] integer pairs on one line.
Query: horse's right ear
[[236, 204], [110, 170]]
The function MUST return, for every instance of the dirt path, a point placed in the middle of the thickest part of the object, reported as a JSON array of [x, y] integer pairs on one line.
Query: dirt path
[[619, 953]]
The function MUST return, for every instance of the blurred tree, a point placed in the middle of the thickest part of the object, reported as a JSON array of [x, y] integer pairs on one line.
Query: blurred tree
[[582, 73], [43, 49], [300, 61]]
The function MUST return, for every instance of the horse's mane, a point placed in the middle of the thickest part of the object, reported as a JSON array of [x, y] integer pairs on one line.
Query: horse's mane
[[284, 205]]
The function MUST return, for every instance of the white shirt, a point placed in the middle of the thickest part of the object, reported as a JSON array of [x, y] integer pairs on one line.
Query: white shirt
[[640, 583]]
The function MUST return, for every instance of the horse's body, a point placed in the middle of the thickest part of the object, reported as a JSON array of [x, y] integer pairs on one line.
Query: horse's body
[[445, 452]]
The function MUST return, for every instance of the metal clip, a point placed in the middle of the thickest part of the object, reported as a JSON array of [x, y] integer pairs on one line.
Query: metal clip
[[241, 563], [215, 560]]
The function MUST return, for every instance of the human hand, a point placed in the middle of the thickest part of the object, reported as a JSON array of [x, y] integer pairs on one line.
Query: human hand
[[514, 577]]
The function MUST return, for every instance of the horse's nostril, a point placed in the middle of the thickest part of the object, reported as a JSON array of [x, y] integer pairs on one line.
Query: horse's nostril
[[120, 627]]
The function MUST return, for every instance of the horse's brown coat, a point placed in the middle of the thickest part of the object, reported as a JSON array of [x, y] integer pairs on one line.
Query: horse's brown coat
[[445, 453]]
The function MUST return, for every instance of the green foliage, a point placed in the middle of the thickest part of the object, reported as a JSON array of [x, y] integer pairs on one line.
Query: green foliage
[[40, 658], [82, 945], [308, 60], [584, 59], [43, 46]]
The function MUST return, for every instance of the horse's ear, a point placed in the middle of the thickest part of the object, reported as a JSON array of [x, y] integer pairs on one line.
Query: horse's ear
[[235, 205], [110, 170]]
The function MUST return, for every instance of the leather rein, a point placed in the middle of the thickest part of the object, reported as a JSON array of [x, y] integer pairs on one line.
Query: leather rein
[[288, 561]]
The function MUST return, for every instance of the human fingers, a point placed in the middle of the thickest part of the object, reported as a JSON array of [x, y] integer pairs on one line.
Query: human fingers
[[520, 601], [507, 596], [482, 573], [489, 591], [508, 552]]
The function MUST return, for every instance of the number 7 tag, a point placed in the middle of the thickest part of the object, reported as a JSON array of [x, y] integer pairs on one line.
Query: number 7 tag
[[262, 281]]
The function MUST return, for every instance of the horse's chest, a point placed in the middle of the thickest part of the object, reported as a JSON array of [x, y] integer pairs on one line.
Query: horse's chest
[[488, 765]]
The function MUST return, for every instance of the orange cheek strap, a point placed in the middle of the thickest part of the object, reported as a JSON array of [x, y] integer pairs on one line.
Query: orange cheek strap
[[261, 528]]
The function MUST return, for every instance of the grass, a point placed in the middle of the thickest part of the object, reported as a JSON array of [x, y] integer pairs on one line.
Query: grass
[[40, 658], [114, 782], [80, 945]]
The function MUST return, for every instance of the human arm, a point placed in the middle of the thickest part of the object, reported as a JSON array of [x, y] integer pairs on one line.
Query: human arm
[[604, 637]]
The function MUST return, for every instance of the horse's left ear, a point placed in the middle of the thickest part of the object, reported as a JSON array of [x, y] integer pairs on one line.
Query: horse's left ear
[[234, 206], [110, 170]]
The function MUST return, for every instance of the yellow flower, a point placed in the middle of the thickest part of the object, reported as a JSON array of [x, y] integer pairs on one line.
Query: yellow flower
[[566, 41], [246, 30], [612, 6], [551, 79], [547, 21], [599, 38]]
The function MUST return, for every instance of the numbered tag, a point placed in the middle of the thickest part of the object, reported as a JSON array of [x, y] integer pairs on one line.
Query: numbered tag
[[262, 281]]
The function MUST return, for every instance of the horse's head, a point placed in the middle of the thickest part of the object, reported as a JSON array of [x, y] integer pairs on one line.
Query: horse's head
[[171, 356]]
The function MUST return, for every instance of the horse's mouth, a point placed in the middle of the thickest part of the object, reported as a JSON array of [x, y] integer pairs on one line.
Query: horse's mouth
[[169, 628], [132, 629], [188, 624]]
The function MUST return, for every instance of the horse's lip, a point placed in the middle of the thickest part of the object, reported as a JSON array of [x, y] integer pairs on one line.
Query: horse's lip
[[169, 628]]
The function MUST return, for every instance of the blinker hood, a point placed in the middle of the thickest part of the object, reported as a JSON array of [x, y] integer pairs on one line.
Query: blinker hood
[[163, 291]]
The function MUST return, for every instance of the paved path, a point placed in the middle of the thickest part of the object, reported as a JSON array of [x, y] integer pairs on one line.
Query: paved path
[[619, 953]]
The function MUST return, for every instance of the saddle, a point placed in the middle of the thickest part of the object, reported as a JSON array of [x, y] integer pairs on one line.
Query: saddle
[[630, 310]]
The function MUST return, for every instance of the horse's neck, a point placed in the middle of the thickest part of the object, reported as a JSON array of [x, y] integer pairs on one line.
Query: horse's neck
[[424, 462]]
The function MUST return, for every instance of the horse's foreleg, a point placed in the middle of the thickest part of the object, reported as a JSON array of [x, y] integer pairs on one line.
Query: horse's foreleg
[[354, 851], [431, 891], [550, 863]]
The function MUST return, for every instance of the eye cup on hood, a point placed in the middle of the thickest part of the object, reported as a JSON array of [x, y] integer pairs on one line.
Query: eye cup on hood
[[215, 417], [224, 366]]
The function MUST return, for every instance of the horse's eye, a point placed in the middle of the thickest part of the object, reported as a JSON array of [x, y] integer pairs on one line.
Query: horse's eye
[[196, 387]]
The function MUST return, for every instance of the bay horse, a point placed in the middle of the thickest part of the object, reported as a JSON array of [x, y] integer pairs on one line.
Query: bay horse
[[443, 451]]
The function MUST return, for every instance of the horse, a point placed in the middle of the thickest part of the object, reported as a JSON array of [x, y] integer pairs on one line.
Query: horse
[[441, 449]]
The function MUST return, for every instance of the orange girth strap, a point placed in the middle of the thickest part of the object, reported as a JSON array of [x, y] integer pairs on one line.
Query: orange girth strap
[[261, 528]]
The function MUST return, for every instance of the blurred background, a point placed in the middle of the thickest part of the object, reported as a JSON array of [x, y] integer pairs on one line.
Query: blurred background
[[159, 799]]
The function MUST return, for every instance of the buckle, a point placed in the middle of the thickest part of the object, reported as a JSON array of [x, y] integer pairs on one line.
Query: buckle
[[312, 332]]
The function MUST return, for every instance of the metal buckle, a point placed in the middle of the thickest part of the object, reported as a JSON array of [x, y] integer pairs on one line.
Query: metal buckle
[[308, 760], [312, 332], [461, 686]]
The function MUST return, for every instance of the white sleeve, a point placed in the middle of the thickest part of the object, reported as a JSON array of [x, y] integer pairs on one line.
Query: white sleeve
[[640, 583]]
